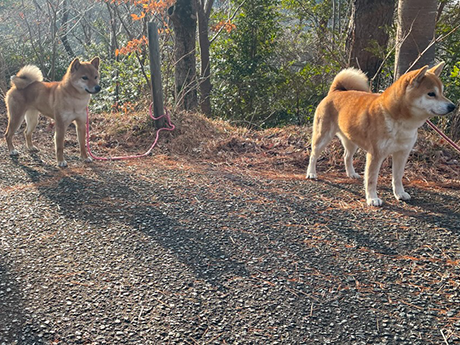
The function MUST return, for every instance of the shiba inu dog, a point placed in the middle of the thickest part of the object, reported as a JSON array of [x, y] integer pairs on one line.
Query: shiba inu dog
[[64, 101], [381, 124]]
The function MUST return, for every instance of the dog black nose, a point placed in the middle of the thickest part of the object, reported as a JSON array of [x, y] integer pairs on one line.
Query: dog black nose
[[451, 107], [97, 88]]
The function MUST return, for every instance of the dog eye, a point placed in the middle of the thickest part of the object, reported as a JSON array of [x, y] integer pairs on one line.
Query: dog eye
[[84, 77], [431, 94]]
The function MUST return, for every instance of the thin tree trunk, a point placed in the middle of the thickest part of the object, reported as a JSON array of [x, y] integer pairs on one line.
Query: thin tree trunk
[[52, 14], [204, 11], [183, 16], [64, 28], [415, 36], [112, 49], [455, 126]]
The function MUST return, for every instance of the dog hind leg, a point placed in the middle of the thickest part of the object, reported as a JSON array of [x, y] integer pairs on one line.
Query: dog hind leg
[[350, 149], [320, 138], [31, 122], [15, 118]]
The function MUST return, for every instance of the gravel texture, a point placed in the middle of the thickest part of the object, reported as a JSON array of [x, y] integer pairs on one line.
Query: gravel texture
[[162, 250]]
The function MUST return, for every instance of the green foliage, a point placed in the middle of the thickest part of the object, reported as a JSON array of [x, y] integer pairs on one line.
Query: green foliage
[[448, 50], [274, 68], [245, 75], [302, 90], [123, 84]]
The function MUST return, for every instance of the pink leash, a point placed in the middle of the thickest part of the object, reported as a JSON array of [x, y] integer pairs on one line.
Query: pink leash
[[449, 140], [170, 128]]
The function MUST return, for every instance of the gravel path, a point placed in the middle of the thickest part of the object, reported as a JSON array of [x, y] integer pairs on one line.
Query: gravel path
[[160, 251]]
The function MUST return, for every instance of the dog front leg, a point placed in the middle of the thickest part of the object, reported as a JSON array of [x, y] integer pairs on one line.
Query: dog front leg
[[81, 136], [59, 142], [399, 162], [371, 175]]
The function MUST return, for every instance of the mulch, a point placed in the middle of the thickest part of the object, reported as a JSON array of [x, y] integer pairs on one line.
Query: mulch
[[182, 250]]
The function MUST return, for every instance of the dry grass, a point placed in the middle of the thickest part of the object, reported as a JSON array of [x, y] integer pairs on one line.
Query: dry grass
[[284, 150]]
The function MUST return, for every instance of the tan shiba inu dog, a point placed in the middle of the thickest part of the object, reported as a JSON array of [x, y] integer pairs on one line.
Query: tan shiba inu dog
[[381, 124], [63, 101]]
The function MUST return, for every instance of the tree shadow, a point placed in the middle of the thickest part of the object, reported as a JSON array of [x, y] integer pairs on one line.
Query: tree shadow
[[14, 325], [114, 196]]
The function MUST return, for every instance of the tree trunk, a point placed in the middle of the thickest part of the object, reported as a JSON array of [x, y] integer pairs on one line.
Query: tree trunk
[[155, 74], [204, 11], [3, 83], [367, 32], [183, 16], [455, 126], [64, 28], [415, 36]]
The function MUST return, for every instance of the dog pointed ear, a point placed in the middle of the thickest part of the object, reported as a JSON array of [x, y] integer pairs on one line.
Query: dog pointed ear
[[436, 70], [75, 65], [418, 76], [95, 62]]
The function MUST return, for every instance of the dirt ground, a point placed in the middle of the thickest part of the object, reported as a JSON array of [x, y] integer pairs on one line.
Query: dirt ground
[[224, 243]]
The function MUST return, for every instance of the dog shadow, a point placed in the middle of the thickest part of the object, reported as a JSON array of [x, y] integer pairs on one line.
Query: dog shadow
[[439, 209], [315, 212]]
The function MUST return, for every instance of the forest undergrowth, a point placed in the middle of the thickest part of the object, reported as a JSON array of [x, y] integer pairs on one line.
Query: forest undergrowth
[[267, 151]]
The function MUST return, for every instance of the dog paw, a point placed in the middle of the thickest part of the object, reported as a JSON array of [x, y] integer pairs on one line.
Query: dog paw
[[354, 175], [403, 196], [87, 160], [33, 149], [14, 153], [374, 202], [62, 164], [311, 176]]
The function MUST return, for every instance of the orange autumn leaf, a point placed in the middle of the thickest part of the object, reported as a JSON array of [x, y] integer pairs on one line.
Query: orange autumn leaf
[[149, 6], [136, 17], [132, 46], [226, 25]]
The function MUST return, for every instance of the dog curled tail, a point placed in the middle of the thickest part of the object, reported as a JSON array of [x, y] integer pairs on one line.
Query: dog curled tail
[[26, 76], [350, 79]]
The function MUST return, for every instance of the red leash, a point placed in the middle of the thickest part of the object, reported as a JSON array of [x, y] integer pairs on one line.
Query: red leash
[[170, 128], [449, 140]]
